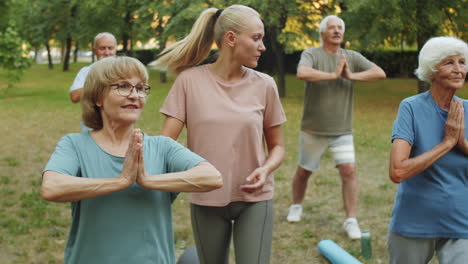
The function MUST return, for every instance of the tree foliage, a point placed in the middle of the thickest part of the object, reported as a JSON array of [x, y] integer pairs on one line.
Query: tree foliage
[[379, 23], [289, 25], [11, 55]]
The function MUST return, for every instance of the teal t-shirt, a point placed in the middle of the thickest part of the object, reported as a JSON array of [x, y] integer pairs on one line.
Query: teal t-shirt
[[129, 226], [434, 202]]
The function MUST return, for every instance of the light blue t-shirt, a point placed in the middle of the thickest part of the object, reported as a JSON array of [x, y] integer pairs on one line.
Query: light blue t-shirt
[[433, 203], [129, 226]]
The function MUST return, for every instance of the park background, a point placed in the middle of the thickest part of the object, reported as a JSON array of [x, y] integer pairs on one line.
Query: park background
[[35, 110]]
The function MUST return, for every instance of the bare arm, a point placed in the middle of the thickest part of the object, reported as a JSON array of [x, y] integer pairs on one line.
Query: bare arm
[[373, 74], [172, 127], [274, 140], [463, 145], [403, 167], [57, 187], [310, 74], [75, 95], [201, 178], [275, 145]]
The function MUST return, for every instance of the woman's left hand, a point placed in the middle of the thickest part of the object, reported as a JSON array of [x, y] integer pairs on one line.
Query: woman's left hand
[[255, 180]]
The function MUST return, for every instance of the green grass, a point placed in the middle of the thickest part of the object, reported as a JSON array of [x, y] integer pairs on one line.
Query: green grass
[[37, 112]]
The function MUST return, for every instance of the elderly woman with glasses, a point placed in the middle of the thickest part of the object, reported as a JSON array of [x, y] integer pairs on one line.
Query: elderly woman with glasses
[[121, 182], [429, 160]]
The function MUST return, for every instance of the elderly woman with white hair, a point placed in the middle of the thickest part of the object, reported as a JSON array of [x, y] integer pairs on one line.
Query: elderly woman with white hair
[[119, 181], [429, 160]]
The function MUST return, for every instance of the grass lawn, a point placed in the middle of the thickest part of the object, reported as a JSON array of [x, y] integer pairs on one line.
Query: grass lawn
[[37, 112]]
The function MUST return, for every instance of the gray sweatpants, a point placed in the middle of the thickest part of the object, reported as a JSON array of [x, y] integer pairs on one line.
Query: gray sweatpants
[[421, 250], [251, 224]]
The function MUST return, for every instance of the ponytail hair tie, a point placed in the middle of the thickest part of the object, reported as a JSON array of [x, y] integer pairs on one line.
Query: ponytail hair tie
[[218, 12]]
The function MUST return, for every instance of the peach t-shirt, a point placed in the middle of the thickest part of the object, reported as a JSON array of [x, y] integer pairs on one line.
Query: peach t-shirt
[[225, 122]]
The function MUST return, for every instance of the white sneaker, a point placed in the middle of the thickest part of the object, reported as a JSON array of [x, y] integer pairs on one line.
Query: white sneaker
[[295, 212], [351, 227]]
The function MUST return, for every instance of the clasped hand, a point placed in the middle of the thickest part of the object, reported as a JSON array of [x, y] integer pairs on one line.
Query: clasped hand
[[133, 167], [342, 69], [455, 125]]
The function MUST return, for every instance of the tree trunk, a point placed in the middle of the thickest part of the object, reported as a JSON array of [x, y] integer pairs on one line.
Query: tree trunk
[[36, 50], [423, 86], [162, 45], [125, 39], [343, 6], [279, 57], [75, 53], [66, 61], [162, 77], [425, 30], [62, 52], [278, 51], [49, 56]]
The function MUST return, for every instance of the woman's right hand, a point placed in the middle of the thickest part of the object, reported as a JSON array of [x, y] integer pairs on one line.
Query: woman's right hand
[[462, 142], [130, 167], [454, 123]]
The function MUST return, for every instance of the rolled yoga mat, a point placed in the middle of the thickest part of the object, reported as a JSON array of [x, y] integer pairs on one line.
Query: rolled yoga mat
[[335, 254]]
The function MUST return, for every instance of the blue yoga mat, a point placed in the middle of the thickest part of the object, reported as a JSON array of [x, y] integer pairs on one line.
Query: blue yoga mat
[[335, 254]]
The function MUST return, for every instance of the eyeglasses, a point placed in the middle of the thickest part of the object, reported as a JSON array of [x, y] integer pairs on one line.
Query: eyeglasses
[[125, 89]]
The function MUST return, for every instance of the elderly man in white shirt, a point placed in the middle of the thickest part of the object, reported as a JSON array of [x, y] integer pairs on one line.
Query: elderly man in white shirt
[[104, 46]]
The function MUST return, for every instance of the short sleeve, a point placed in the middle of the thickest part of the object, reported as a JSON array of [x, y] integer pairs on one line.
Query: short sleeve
[[179, 158], [360, 63], [80, 79], [64, 160], [175, 104], [274, 112], [306, 59], [403, 127]]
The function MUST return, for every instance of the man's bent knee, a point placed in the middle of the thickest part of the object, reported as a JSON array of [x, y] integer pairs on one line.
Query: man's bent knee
[[302, 173], [347, 170]]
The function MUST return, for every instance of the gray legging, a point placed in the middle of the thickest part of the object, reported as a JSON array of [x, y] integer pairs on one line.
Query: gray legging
[[250, 222], [421, 250]]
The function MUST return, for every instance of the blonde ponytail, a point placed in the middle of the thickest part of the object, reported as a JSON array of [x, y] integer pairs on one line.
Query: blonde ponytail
[[209, 27], [191, 50]]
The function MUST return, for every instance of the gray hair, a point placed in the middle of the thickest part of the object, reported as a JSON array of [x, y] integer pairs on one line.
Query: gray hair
[[323, 26], [436, 50], [102, 35]]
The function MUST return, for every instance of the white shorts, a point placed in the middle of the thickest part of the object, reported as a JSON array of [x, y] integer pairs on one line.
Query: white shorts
[[312, 147]]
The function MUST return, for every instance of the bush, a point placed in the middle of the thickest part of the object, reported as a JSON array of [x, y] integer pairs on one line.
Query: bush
[[394, 63], [145, 56]]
